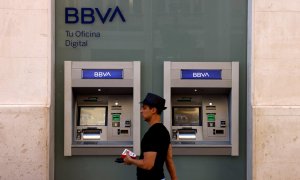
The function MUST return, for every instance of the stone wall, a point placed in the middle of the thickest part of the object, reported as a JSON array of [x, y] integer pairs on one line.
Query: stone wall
[[25, 89], [276, 89]]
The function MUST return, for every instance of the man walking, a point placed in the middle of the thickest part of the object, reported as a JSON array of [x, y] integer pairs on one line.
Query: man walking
[[156, 148]]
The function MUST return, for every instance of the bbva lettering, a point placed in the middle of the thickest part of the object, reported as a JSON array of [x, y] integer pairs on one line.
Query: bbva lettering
[[102, 74], [199, 75], [89, 15]]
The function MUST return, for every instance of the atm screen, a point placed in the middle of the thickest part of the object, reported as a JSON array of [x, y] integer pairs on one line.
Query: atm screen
[[92, 116], [186, 116]]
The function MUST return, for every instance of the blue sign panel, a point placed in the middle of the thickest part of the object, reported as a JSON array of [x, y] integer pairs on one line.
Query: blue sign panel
[[102, 74], [201, 74]]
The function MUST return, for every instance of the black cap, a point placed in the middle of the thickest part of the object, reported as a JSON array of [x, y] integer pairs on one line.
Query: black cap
[[154, 101]]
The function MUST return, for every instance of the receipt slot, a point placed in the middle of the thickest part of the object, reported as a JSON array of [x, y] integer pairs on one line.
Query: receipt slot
[[101, 106], [202, 107]]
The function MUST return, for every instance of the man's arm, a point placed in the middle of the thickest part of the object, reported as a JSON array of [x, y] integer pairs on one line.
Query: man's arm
[[146, 163], [170, 164]]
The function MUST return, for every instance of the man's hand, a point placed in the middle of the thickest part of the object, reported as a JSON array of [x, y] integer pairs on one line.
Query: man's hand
[[127, 159], [147, 163]]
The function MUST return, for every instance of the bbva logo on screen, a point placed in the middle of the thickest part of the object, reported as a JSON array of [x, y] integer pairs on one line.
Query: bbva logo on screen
[[90, 15], [102, 74], [201, 75]]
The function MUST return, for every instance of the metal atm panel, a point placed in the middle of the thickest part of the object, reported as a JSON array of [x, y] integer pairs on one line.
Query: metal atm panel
[[202, 101], [100, 101]]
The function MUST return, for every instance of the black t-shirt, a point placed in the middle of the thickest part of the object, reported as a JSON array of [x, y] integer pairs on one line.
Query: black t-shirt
[[156, 139]]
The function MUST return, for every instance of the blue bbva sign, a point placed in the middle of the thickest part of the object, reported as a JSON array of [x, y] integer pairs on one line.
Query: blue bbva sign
[[102, 74], [201, 74], [89, 15]]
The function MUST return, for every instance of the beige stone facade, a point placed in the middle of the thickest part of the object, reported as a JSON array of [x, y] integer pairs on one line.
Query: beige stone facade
[[26, 58], [275, 89]]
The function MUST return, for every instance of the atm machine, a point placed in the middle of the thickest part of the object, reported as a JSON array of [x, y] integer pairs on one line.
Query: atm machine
[[202, 100], [101, 106]]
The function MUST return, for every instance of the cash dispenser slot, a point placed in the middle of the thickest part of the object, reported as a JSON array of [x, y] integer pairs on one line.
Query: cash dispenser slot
[[123, 131], [91, 134], [186, 134]]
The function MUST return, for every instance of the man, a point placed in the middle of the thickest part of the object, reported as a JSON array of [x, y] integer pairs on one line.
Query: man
[[155, 146]]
